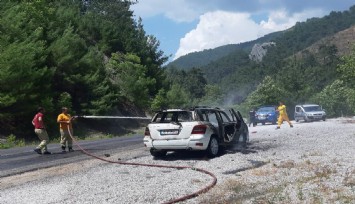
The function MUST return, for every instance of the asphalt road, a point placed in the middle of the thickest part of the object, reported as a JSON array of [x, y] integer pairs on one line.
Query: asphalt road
[[22, 159]]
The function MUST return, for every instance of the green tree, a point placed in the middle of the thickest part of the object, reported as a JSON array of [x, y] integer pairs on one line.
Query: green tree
[[160, 101], [24, 75], [269, 92], [347, 69], [130, 78], [213, 97], [178, 97], [336, 99]]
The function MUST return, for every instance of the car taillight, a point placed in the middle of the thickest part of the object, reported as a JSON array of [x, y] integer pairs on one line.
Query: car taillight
[[199, 129], [147, 132]]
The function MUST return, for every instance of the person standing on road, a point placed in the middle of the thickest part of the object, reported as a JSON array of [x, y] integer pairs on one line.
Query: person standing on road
[[66, 129], [41, 132], [282, 115], [252, 117]]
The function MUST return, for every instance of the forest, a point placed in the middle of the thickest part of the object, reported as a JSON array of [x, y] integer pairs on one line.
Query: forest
[[93, 57]]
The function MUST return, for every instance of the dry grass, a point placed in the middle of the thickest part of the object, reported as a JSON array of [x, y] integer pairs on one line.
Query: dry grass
[[311, 185], [349, 179]]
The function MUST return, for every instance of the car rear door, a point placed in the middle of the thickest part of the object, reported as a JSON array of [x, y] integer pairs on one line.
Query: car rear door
[[229, 127], [241, 127]]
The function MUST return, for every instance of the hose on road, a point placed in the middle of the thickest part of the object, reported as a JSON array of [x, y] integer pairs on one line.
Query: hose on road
[[175, 200]]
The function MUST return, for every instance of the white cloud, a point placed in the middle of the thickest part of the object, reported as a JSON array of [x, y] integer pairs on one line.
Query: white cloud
[[281, 20], [221, 28], [218, 28]]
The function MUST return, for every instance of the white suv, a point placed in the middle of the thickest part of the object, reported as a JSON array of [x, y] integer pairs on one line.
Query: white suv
[[199, 128]]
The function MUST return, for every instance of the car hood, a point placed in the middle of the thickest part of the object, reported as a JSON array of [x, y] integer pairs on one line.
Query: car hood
[[316, 112], [265, 112]]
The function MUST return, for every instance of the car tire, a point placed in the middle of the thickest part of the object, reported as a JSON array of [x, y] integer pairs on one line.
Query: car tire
[[274, 122], [323, 119], [158, 153], [263, 123], [213, 147], [305, 119]]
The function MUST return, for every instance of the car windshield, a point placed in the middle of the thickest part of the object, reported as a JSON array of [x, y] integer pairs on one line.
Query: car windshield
[[312, 108], [266, 109], [173, 116]]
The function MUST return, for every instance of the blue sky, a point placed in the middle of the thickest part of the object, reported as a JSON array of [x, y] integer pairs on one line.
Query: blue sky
[[184, 26]]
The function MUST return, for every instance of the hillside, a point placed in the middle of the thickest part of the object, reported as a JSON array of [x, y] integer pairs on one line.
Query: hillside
[[342, 40], [321, 75], [202, 58], [290, 41]]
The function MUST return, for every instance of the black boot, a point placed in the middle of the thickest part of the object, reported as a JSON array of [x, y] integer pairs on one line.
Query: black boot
[[38, 151], [63, 148]]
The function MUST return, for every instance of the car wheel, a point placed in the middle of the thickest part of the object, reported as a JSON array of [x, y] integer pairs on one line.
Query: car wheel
[[158, 153], [297, 120], [213, 147], [323, 119], [274, 122], [263, 123], [305, 119]]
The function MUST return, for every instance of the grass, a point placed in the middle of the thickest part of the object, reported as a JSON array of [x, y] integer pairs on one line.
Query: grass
[[275, 184], [12, 141]]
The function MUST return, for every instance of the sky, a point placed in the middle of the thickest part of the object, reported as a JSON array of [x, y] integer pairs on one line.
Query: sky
[[185, 26]]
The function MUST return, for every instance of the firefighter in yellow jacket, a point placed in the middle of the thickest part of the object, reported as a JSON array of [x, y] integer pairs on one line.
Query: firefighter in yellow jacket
[[282, 115], [65, 126]]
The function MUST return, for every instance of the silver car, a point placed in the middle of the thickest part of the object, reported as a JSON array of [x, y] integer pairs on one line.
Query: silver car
[[309, 112]]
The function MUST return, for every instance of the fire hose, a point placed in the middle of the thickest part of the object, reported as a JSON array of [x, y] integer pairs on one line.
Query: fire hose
[[175, 200]]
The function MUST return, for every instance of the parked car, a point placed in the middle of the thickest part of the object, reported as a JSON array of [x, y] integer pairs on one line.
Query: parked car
[[199, 128], [309, 112], [266, 114]]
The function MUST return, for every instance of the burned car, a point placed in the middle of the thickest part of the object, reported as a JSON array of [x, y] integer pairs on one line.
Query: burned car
[[199, 128]]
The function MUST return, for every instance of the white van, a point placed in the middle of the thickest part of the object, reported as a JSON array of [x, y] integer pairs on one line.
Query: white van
[[309, 112]]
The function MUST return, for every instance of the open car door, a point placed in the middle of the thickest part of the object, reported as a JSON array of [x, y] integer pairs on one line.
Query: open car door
[[242, 131]]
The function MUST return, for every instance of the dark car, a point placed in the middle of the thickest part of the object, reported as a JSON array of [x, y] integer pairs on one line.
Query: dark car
[[266, 114]]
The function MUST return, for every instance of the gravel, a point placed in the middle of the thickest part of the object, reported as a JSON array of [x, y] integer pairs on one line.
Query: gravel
[[310, 163]]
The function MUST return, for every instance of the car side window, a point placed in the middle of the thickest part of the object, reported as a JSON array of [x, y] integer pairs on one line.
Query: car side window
[[224, 117], [298, 109], [158, 117], [212, 117], [184, 116]]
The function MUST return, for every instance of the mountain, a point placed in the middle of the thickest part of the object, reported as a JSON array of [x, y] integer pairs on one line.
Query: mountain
[[202, 58], [302, 62], [295, 39]]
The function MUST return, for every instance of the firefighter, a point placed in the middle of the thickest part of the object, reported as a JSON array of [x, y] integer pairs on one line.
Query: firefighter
[[66, 130], [41, 132], [282, 115]]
